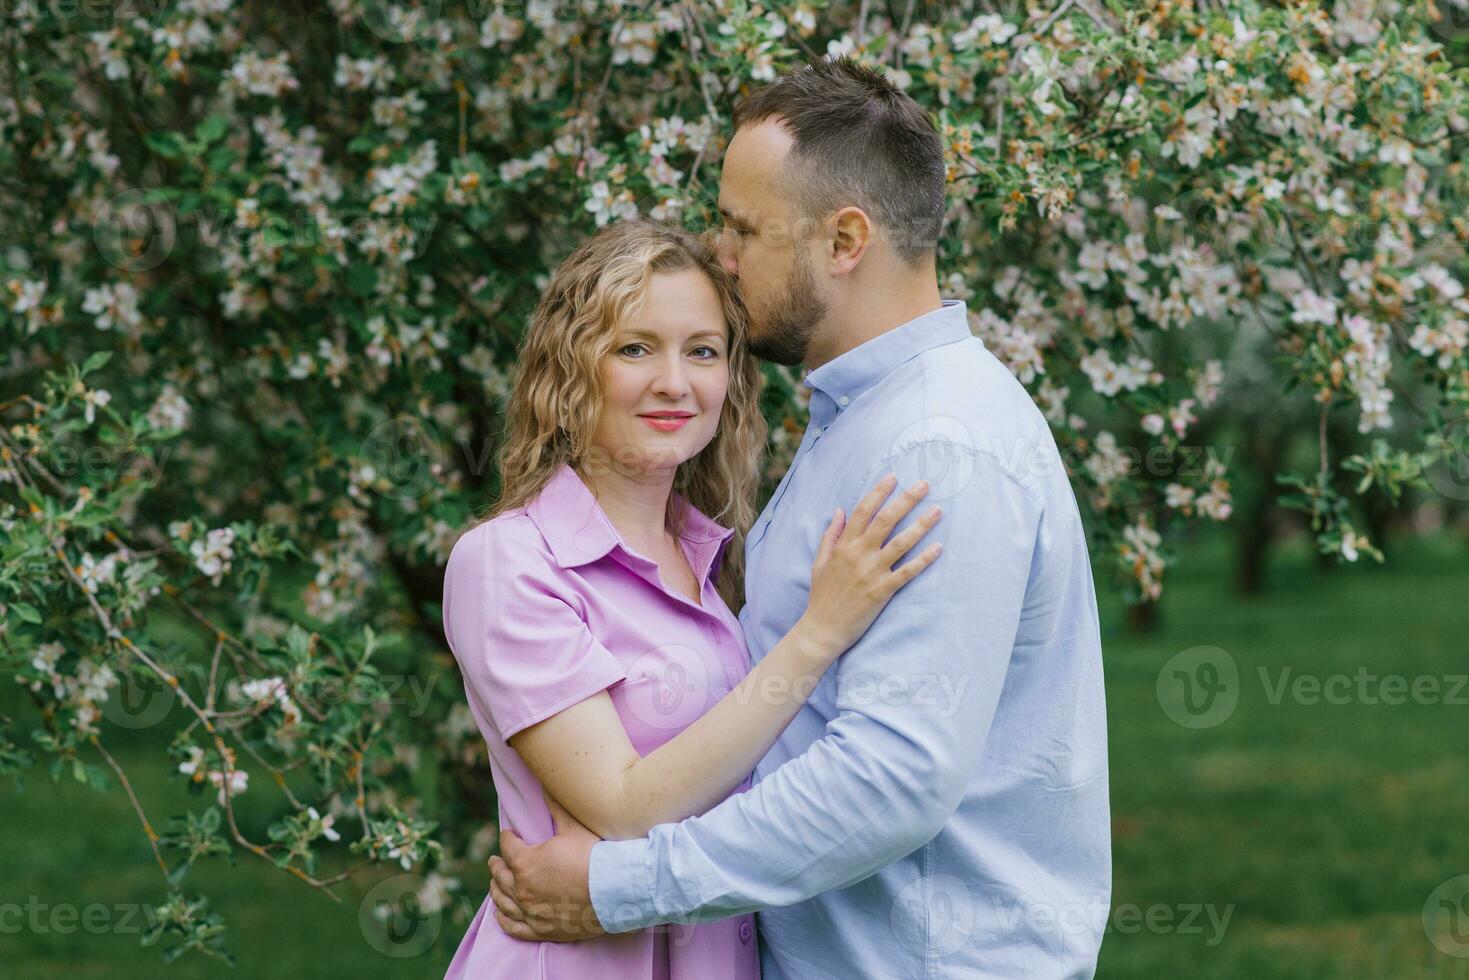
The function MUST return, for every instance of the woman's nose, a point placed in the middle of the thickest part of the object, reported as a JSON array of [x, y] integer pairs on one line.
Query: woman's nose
[[671, 378]]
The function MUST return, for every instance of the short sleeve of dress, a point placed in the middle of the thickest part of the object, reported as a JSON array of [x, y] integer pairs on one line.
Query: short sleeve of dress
[[521, 646]]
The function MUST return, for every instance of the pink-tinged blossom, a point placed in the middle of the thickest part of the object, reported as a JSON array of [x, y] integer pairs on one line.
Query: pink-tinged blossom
[[113, 304], [254, 75], [500, 28], [213, 554], [1309, 307], [1108, 464], [1208, 383], [1180, 417], [1443, 344], [92, 400]]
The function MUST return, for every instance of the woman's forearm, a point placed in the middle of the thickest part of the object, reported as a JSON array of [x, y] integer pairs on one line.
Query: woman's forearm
[[700, 766]]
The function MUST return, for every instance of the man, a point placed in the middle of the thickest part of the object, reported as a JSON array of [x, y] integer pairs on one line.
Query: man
[[939, 807]]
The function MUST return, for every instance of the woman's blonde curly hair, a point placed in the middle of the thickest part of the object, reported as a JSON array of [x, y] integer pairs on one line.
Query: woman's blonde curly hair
[[557, 393]]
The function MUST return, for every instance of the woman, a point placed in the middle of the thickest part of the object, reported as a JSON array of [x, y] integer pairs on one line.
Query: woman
[[601, 661]]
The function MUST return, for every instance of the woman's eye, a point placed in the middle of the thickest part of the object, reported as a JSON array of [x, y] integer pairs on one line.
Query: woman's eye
[[710, 351]]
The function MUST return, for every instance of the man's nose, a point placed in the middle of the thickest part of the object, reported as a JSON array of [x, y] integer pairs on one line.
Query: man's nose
[[724, 251]]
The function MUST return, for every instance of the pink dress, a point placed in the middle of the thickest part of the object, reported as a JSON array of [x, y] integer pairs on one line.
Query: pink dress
[[543, 607]]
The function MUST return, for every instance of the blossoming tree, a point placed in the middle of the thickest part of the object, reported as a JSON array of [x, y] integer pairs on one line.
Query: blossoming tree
[[263, 269]]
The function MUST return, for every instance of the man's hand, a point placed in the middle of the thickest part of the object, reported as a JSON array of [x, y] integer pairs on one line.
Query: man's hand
[[541, 891]]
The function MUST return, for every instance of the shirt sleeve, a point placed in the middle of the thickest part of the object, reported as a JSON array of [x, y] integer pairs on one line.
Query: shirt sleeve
[[523, 648], [915, 699]]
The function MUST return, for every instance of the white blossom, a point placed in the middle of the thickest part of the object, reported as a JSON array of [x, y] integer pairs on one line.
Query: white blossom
[[263, 76], [213, 554], [326, 824], [170, 410]]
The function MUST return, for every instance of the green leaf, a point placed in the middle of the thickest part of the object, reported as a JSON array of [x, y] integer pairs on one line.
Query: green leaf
[[27, 612], [165, 144], [298, 642], [96, 778], [211, 129], [96, 361], [220, 158], [361, 279]]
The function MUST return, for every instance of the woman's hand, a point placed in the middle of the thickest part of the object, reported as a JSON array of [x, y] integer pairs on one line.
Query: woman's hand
[[853, 577]]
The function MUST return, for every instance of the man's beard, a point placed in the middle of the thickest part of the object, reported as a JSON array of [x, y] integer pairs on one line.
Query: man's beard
[[793, 317]]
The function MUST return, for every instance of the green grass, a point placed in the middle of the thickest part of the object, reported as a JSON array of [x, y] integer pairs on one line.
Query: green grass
[[1325, 827], [67, 845]]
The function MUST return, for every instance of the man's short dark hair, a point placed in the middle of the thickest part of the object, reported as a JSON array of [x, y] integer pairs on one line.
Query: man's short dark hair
[[859, 141]]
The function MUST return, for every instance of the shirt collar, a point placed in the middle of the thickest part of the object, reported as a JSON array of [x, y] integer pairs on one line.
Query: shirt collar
[[578, 531], [846, 376]]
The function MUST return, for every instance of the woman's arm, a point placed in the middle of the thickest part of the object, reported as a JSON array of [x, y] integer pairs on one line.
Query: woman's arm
[[583, 757]]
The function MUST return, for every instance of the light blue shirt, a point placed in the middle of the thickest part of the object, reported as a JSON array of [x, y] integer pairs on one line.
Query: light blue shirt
[[939, 806]]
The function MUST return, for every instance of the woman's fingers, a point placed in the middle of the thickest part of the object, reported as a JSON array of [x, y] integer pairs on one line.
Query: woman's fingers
[[908, 571], [868, 505], [905, 539], [829, 538], [895, 510]]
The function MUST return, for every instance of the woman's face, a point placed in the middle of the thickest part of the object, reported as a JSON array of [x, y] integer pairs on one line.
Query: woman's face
[[666, 376]]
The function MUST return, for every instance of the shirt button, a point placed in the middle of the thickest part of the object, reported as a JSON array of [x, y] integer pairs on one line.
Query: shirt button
[[842, 400], [745, 931]]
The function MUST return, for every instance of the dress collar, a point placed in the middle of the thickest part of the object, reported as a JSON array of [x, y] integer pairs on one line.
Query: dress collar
[[578, 531]]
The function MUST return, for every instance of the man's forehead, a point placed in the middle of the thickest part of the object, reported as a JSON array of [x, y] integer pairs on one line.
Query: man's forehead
[[734, 196], [752, 160]]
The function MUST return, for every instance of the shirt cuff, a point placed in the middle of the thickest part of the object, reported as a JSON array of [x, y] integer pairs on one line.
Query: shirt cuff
[[617, 878]]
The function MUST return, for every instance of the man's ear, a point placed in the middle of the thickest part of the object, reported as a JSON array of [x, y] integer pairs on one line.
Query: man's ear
[[852, 234]]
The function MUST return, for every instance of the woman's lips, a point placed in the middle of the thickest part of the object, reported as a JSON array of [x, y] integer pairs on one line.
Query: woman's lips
[[665, 425]]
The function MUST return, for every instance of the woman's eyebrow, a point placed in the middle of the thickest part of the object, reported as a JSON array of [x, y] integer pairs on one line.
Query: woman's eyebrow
[[638, 332]]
